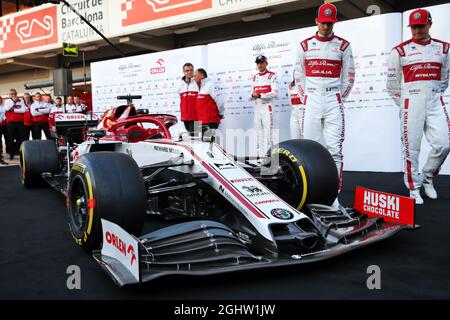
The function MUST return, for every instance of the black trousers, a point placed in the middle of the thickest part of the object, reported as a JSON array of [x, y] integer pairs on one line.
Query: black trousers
[[37, 131], [27, 132], [16, 135], [2, 135], [189, 125]]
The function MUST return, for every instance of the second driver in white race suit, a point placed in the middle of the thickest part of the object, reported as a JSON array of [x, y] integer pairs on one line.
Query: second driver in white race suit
[[265, 92], [418, 76], [324, 74]]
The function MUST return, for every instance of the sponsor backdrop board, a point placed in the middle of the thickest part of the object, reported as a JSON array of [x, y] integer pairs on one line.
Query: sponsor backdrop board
[[372, 131], [155, 76], [233, 69], [368, 108], [372, 119], [439, 30]]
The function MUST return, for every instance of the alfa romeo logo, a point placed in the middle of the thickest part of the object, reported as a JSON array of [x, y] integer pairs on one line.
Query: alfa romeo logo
[[417, 16], [282, 214], [328, 12]]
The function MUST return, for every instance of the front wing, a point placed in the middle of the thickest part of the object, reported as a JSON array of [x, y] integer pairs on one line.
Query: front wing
[[206, 247]]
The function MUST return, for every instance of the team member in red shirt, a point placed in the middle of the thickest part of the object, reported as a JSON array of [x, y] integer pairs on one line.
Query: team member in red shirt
[[40, 110], [209, 101], [15, 109], [188, 97]]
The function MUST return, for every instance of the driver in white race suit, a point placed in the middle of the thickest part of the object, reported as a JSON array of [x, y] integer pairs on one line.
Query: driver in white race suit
[[324, 74], [264, 92], [418, 75]]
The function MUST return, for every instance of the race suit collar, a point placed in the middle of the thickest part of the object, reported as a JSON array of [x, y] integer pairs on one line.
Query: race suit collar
[[323, 39], [263, 73], [423, 43]]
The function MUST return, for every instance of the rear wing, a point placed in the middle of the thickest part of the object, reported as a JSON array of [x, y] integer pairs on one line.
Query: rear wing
[[67, 125]]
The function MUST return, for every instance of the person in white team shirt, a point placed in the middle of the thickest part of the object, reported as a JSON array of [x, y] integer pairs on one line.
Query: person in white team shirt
[[27, 118], [70, 105], [264, 92], [15, 110], [297, 112], [418, 75], [58, 107], [79, 106], [324, 74], [40, 110]]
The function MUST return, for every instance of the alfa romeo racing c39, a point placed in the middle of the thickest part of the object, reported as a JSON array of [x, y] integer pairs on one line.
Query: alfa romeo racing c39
[[222, 213]]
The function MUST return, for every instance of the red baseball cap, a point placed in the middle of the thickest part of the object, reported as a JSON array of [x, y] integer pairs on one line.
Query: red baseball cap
[[419, 16], [327, 13]]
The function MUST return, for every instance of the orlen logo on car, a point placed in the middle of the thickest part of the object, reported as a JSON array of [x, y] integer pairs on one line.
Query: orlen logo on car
[[70, 117], [121, 246], [159, 67]]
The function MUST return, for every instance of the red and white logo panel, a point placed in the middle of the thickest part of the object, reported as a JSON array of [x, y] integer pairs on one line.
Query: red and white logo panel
[[422, 71], [325, 68], [29, 30], [139, 11], [390, 207], [119, 244]]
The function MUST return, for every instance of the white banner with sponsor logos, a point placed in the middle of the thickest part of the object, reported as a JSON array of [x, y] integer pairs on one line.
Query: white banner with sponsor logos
[[372, 119], [155, 76], [232, 65], [367, 110], [439, 30], [372, 125]]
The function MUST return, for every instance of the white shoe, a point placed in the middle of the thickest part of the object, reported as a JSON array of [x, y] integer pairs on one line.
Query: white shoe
[[430, 191], [415, 194]]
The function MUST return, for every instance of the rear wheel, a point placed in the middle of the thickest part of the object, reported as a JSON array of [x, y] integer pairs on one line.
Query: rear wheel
[[37, 157], [104, 185], [309, 171]]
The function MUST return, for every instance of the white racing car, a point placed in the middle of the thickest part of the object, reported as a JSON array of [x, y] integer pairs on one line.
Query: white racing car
[[225, 213]]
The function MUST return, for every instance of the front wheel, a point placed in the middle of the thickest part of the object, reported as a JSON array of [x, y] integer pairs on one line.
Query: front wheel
[[309, 171], [104, 185]]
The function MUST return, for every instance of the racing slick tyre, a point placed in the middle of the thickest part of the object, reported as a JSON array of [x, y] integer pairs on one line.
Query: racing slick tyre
[[309, 171], [106, 185], [37, 157]]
